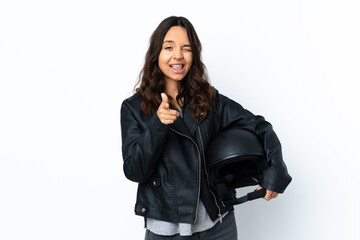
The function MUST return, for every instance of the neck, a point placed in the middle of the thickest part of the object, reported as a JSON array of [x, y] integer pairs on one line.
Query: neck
[[172, 88]]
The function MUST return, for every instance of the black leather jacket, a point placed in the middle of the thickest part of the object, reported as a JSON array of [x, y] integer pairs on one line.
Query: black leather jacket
[[168, 160]]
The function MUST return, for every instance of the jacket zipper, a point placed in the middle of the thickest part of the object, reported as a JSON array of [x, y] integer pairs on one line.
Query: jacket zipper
[[207, 178], [198, 197]]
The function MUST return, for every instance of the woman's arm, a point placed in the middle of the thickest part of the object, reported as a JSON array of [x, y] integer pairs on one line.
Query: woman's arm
[[141, 148]]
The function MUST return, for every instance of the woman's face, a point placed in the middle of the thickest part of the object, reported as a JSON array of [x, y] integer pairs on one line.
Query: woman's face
[[175, 58]]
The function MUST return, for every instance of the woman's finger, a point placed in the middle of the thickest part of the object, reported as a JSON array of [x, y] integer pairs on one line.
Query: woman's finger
[[171, 112], [167, 121], [268, 195], [168, 111], [168, 116]]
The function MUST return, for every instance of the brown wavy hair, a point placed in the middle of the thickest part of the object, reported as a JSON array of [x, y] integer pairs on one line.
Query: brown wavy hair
[[195, 84]]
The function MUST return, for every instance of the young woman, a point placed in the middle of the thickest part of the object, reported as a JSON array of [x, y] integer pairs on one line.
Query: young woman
[[166, 126]]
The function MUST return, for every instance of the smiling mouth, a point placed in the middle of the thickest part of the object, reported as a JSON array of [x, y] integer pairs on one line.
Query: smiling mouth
[[177, 66]]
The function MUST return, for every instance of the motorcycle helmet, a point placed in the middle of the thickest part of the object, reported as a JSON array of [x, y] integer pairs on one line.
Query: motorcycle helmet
[[235, 159]]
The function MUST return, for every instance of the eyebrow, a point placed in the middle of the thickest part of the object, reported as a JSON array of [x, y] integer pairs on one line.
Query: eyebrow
[[171, 41]]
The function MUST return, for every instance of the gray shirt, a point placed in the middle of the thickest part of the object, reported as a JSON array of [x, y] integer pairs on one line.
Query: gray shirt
[[203, 222]]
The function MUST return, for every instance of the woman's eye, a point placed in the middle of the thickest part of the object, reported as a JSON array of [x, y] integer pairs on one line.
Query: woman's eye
[[167, 48], [187, 50]]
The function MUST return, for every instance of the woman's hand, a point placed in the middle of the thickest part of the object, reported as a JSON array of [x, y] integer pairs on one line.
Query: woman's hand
[[166, 115], [269, 194]]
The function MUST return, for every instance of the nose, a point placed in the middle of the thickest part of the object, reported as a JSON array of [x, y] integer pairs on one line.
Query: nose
[[178, 54]]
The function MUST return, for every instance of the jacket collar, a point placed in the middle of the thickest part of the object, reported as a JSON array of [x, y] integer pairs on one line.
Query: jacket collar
[[186, 125]]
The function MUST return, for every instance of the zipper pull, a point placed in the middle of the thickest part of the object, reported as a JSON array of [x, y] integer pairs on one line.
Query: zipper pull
[[220, 217]]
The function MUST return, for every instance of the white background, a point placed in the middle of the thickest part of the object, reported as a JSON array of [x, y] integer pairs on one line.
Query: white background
[[66, 66]]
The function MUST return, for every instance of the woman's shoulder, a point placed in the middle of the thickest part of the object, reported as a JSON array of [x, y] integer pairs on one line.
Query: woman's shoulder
[[136, 97], [133, 101], [218, 98]]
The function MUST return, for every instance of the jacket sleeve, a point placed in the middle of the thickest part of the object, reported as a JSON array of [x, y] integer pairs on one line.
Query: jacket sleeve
[[141, 146], [233, 115]]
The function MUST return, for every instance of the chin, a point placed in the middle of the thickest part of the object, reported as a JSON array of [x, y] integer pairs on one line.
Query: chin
[[177, 78]]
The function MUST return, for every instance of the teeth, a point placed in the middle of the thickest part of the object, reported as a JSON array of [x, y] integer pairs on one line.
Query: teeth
[[176, 66]]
